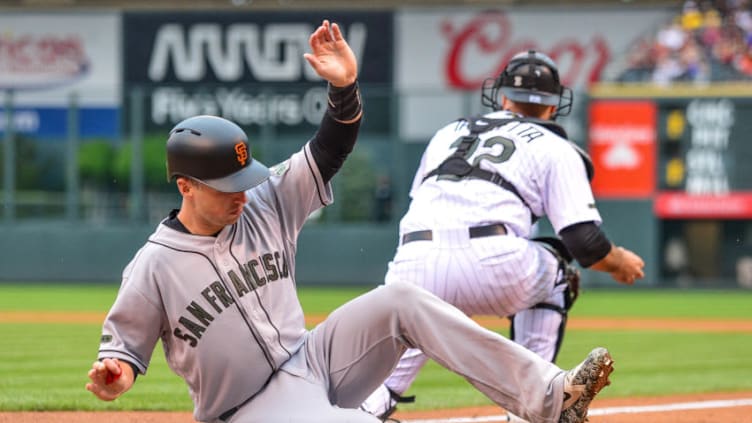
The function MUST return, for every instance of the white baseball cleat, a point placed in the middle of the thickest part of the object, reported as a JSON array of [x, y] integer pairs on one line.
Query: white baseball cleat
[[583, 383]]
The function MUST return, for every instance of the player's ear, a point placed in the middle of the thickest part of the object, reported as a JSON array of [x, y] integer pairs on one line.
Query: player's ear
[[184, 185], [550, 113], [505, 103]]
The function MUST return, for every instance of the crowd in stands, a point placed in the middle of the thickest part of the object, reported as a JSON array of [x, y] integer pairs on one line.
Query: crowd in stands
[[708, 41]]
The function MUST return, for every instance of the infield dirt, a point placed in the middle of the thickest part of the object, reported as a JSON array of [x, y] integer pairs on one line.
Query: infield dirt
[[741, 414]]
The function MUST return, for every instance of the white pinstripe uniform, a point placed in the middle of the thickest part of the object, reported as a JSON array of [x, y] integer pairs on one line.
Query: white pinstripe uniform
[[492, 275]]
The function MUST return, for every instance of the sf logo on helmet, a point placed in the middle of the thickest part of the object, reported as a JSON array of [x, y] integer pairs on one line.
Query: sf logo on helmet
[[242, 153]]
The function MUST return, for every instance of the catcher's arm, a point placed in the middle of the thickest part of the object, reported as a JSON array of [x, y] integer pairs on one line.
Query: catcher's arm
[[623, 265], [592, 249], [110, 378]]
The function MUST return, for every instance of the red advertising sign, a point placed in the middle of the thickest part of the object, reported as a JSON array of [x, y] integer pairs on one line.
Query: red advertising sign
[[622, 143], [584, 59], [680, 205]]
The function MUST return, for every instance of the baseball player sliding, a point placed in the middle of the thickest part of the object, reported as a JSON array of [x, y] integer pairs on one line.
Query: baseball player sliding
[[215, 283], [481, 185]]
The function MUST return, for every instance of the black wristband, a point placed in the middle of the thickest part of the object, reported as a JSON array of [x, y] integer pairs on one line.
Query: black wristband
[[135, 370], [344, 102]]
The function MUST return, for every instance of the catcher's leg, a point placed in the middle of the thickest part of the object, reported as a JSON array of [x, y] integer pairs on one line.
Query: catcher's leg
[[383, 401], [541, 328]]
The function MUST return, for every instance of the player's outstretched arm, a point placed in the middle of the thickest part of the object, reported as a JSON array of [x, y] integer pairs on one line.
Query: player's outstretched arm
[[331, 56], [623, 265], [592, 249], [110, 378]]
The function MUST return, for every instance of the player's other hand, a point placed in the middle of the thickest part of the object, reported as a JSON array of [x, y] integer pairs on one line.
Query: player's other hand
[[109, 378], [631, 267], [331, 56]]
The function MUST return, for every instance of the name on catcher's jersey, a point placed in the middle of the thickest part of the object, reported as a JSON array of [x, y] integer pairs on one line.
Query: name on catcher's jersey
[[544, 168]]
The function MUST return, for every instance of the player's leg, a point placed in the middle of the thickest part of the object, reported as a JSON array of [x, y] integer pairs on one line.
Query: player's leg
[[504, 275], [440, 267], [541, 328], [448, 266], [468, 274], [296, 398], [360, 343], [382, 401]]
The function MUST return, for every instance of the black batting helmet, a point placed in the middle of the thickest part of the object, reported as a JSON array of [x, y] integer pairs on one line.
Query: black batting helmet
[[529, 77], [214, 151]]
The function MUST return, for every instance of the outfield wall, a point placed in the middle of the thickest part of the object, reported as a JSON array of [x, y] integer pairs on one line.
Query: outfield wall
[[356, 254], [327, 254]]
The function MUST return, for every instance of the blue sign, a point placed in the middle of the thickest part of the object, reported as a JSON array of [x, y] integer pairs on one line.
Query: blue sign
[[52, 122]]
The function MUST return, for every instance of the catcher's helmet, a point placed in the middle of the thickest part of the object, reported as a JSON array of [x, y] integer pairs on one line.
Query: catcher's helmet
[[214, 151], [529, 77]]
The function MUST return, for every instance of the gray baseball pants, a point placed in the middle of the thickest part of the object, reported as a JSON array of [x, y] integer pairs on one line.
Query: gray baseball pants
[[354, 350]]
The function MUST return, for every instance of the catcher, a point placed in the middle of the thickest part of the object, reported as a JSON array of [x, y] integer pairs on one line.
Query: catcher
[[481, 185]]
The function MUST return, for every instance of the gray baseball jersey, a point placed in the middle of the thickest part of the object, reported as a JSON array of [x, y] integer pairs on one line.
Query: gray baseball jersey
[[493, 275], [193, 291]]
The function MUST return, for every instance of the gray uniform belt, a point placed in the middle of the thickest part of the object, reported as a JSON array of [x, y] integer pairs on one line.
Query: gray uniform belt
[[474, 232]]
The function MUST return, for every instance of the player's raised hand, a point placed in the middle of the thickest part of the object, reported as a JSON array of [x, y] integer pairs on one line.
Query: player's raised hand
[[331, 56], [109, 379]]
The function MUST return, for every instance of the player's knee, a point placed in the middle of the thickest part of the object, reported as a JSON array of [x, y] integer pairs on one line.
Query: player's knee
[[403, 294]]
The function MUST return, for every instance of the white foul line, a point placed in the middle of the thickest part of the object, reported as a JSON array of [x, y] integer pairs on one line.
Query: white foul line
[[699, 405]]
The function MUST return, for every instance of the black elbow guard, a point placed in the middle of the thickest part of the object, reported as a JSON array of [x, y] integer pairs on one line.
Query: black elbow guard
[[587, 242]]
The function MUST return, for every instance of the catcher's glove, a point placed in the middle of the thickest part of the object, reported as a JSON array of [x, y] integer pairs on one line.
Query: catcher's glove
[[570, 273], [572, 279]]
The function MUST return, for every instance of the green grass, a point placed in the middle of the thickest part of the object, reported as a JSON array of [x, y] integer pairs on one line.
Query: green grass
[[43, 366], [647, 364], [56, 297], [629, 302]]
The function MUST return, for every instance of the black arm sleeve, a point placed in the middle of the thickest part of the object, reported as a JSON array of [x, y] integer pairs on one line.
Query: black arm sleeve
[[586, 241], [335, 140]]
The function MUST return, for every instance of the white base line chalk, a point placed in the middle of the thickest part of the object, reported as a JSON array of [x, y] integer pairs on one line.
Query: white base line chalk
[[699, 405]]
